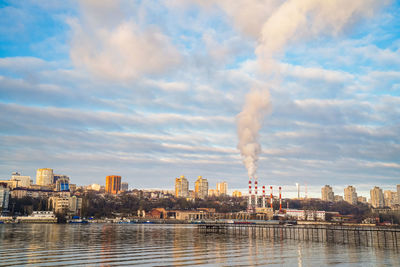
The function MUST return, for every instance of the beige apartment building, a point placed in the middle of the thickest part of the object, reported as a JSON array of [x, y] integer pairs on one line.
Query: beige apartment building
[[201, 188], [327, 193], [181, 187], [350, 195]]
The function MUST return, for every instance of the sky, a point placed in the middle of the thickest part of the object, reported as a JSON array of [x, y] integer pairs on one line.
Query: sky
[[151, 90]]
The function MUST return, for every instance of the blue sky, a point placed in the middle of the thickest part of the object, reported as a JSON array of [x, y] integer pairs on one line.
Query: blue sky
[[151, 90]]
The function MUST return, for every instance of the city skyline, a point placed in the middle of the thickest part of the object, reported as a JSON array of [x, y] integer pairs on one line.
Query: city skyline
[[289, 191], [76, 96]]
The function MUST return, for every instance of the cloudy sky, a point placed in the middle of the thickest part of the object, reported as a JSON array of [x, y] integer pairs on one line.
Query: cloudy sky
[[151, 90]]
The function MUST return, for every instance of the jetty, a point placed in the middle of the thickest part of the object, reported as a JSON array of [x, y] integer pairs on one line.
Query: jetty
[[385, 237]]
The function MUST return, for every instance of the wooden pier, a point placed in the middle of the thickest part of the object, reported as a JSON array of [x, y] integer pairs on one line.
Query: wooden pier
[[384, 237]]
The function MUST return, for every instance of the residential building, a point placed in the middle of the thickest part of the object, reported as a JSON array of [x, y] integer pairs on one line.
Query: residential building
[[222, 188], [44, 176], [212, 192], [124, 186], [237, 193], [113, 184], [327, 193], [64, 204], [307, 215], [31, 192], [4, 196], [96, 187], [62, 184], [390, 198], [377, 198], [362, 199], [398, 194], [350, 195], [11, 184], [22, 181], [201, 188], [338, 198], [181, 187], [72, 188]]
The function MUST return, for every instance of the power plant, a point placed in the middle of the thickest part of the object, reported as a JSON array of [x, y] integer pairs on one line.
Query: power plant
[[253, 203]]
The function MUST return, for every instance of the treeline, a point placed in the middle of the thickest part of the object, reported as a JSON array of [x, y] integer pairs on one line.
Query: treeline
[[95, 205], [25, 205]]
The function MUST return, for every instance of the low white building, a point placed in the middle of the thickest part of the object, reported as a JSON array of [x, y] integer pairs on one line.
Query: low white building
[[306, 215], [38, 217]]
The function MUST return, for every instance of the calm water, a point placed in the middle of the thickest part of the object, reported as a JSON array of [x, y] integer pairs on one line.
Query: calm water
[[170, 245]]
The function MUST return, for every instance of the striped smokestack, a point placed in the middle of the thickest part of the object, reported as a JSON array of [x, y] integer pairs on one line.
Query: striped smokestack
[[263, 199], [272, 197]]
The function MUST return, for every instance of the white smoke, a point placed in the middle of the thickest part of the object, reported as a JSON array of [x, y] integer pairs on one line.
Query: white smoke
[[249, 123], [288, 23], [300, 20]]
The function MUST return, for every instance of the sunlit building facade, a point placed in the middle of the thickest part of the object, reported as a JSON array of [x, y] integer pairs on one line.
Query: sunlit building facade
[[327, 193], [44, 176], [350, 195], [201, 188], [237, 193], [181, 187], [377, 198], [113, 184], [390, 198], [22, 181], [222, 188]]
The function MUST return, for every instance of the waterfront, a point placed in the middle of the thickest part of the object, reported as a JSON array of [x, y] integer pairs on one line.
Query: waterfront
[[171, 245]]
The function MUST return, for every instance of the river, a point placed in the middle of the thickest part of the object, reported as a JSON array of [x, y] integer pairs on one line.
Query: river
[[170, 245]]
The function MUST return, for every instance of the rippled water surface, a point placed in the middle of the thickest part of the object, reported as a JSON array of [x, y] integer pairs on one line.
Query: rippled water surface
[[170, 245]]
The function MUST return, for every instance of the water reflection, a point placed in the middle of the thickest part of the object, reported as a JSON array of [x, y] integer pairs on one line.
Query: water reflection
[[170, 245]]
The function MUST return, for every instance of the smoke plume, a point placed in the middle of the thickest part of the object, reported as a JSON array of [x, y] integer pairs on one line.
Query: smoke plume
[[292, 21], [249, 123]]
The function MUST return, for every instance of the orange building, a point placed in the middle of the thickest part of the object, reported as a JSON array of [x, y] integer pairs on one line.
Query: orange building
[[113, 184]]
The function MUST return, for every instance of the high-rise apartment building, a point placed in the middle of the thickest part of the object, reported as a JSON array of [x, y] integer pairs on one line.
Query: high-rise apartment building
[[62, 184], [390, 198], [222, 188], [113, 184], [350, 195], [44, 176], [327, 193], [201, 187], [377, 198], [22, 181], [124, 186], [181, 187]]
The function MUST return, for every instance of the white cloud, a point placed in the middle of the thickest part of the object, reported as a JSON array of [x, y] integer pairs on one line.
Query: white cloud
[[115, 47]]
